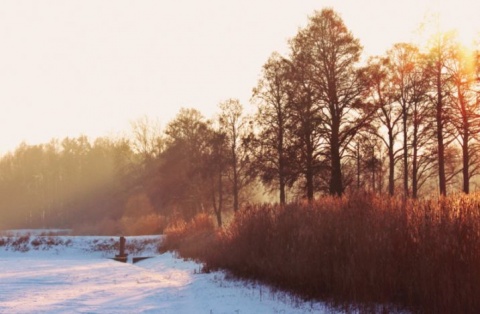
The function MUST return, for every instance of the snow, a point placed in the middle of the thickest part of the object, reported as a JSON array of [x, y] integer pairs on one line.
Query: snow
[[67, 274]]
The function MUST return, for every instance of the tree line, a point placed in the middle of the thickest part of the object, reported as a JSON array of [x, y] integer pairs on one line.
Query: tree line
[[326, 122], [336, 124]]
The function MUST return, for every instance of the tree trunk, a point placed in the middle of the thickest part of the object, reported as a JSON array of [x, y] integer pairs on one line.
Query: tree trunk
[[282, 191], [465, 140], [441, 145], [466, 179], [391, 164], [441, 162], [405, 150], [281, 162], [466, 157], [220, 199], [309, 172], [235, 180], [374, 165], [415, 158], [235, 190], [336, 186], [217, 209], [358, 166]]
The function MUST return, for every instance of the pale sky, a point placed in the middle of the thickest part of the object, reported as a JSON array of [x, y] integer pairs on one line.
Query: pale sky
[[91, 66]]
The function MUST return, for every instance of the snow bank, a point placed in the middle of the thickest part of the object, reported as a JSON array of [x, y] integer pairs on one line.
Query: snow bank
[[76, 277]]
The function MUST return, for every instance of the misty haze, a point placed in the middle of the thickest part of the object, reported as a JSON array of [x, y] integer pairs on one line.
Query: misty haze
[[240, 157]]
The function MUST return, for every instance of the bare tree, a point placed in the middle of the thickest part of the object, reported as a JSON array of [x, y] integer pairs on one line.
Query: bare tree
[[381, 93], [308, 141], [180, 182], [327, 53], [234, 125], [438, 58], [274, 120], [146, 138], [466, 106], [403, 62], [215, 169]]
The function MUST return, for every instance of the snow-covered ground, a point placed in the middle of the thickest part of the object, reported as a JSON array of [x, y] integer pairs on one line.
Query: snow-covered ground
[[65, 274]]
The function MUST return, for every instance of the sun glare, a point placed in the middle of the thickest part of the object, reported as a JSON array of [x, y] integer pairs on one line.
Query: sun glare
[[462, 17]]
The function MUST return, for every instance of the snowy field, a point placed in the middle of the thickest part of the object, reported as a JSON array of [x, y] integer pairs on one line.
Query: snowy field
[[67, 274]]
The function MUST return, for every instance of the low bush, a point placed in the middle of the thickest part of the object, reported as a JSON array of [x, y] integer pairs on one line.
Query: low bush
[[133, 246], [47, 242], [4, 241], [21, 243], [26, 242]]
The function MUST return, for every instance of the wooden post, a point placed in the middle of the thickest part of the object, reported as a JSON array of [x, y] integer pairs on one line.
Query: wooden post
[[122, 246], [122, 257]]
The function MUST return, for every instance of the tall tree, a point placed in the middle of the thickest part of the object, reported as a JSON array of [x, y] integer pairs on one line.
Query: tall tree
[[410, 83], [305, 128], [181, 176], [420, 139], [146, 139], [216, 168], [466, 107], [381, 93], [328, 54], [402, 64], [234, 125], [274, 121], [438, 59]]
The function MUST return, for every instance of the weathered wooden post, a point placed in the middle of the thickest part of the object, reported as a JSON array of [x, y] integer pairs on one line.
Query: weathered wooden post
[[122, 257], [122, 246]]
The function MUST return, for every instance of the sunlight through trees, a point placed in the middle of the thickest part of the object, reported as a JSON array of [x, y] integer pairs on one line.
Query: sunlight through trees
[[325, 122]]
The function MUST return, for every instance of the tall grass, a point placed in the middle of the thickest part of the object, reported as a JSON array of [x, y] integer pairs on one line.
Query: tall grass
[[194, 239], [362, 249]]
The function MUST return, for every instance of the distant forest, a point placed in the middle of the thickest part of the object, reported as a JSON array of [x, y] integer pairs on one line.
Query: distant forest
[[405, 124]]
